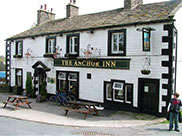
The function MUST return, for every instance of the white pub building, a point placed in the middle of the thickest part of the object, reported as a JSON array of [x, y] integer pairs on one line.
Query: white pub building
[[124, 58]]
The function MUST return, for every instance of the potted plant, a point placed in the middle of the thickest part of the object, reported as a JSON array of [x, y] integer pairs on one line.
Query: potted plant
[[29, 87]]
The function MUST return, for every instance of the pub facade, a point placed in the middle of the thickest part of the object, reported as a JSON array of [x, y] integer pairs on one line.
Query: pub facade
[[124, 59]]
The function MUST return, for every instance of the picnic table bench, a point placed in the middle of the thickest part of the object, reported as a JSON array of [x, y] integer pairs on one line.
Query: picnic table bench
[[17, 100], [82, 107]]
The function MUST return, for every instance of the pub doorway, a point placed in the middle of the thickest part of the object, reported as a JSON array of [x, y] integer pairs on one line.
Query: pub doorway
[[148, 96]]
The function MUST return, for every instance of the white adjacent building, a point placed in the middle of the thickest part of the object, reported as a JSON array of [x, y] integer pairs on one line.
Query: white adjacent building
[[124, 58]]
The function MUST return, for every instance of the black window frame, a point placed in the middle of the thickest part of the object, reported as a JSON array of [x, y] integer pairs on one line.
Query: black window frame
[[47, 41], [148, 31], [110, 33], [67, 80], [128, 84], [68, 54], [17, 55], [16, 78], [124, 101]]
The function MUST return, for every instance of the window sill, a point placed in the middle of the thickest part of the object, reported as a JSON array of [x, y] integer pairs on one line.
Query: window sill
[[17, 56], [48, 55], [116, 54], [68, 55]]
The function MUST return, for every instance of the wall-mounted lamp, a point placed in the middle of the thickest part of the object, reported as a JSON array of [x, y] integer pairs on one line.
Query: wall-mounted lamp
[[90, 32]]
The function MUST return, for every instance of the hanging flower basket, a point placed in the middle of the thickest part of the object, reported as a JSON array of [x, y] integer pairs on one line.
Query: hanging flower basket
[[145, 72]]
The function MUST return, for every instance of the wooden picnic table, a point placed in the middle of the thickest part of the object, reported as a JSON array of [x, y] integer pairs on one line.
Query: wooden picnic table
[[17, 100], [82, 107]]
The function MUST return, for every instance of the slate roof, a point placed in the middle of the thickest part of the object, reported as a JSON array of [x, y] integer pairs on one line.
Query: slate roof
[[146, 13]]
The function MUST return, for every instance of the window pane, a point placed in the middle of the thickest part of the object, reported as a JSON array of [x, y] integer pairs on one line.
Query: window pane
[[62, 85], [73, 85], [129, 93], [19, 48], [115, 47], [19, 82], [76, 49], [71, 44], [118, 42], [119, 95], [121, 47], [51, 46], [62, 76], [75, 40], [108, 91], [72, 76], [115, 38]]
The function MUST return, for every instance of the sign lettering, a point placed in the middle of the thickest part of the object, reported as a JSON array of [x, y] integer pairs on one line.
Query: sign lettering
[[94, 63]]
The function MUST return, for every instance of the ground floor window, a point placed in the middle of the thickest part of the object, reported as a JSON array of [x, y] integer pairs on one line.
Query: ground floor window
[[68, 82], [118, 91], [19, 76]]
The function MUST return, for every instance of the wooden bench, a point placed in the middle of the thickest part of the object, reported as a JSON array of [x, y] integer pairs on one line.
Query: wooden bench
[[77, 110], [17, 101]]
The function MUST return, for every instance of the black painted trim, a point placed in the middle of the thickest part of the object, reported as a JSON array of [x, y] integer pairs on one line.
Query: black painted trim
[[16, 49], [169, 64], [110, 32], [68, 72], [46, 44], [42, 64], [8, 62], [68, 36]]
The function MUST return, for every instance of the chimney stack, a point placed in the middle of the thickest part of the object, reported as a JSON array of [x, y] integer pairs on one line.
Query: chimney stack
[[72, 9], [43, 15], [131, 4]]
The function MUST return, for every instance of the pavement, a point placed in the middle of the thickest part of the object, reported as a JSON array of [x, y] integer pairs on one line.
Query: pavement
[[50, 114]]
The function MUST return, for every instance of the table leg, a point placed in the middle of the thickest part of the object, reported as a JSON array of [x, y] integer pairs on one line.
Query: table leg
[[6, 102], [17, 104], [66, 112], [28, 103]]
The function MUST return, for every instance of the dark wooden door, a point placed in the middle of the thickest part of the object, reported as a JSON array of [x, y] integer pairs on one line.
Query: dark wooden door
[[149, 96]]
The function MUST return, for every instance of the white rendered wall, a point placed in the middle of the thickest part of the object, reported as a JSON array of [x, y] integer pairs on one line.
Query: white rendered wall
[[93, 89]]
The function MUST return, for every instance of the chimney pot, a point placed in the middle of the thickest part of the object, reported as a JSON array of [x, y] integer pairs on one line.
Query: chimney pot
[[44, 15], [130, 4], [45, 6]]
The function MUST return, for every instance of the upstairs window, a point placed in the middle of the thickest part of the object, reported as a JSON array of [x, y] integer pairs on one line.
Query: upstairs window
[[73, 45], [117, 43], [50, 45], [19, 48]]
